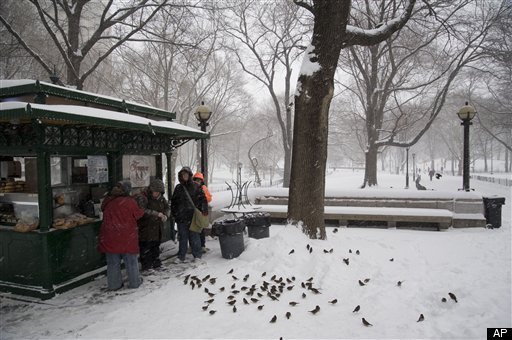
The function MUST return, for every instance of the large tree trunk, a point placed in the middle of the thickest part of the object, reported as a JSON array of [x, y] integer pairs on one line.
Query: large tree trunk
[[310, 130], [370, 167]]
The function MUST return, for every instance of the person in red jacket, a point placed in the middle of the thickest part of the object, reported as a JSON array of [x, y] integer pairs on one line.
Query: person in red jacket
[[119, 238]]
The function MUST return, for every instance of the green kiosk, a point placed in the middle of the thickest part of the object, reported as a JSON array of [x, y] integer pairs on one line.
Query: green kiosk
[[61, 150]]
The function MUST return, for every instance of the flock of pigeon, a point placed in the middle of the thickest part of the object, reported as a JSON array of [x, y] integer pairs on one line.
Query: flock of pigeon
[[272, 288]]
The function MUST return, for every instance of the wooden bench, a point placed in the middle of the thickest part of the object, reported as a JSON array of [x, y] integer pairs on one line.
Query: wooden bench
[[395, 212]]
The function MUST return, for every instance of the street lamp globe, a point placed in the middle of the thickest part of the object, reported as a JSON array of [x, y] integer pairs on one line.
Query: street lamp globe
[[203, 113], [467, 112]]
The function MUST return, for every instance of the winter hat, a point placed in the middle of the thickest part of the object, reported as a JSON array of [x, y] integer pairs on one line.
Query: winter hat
[[199, 176], [187, 170], [126, 186], [157, 185]]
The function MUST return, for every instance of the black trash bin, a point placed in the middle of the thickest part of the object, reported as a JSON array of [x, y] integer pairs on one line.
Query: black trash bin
[[492, 206], [258, 225], [231, 237]]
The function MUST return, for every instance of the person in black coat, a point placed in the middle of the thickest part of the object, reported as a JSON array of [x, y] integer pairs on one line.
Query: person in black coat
[[156, 212], [183, 211]]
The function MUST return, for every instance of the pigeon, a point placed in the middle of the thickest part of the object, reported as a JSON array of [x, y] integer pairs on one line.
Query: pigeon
[[243, 289], [399, 283], [331, 250], [222, 289], [443, 300], [293, 303], [332, 302], [316, 310], [421, 318], [326, 251], [366, 280], [357, 252], [316, 291], [234, 309], [273, 277], [254, 300], [235, 291], [231, 271], [232, 302], [233, 286], [234, 277], [391, 259], [310, 279], [291, 252], [290, 287], [274, 319], [185, 282], [288, 280], [245, 301], [308, 246], [206, 278], [213, 280], [259, 295], [213, 312], [356, 309], [453, 297], [260, 307], [361, 283], [350, 251], [246, 277], [293, 278], [335, 230], [205, 307], [303, 295], [192, 284], [346, 261], [211, 294], [288, 314], [187, 277], [263, 274], [366, 323], [206, 290], [209, 301], [310, 250], [438, 175]]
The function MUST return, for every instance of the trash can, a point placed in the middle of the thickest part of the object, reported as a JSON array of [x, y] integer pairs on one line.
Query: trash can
[[231, 237], [258, 225], [492, 206]]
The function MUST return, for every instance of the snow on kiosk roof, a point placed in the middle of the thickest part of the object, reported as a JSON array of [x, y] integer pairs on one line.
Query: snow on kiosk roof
[[58, 114], [65, 95]]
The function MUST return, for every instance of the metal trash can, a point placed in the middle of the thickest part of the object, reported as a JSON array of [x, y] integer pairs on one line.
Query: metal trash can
[[492, 206], [258, 225], [231, 237]]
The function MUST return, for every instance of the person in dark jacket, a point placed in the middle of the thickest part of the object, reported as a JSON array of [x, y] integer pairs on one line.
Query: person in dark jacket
[[156, 212], [183, 211], [118, 237]]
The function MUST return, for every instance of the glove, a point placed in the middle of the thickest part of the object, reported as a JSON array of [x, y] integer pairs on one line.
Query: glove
[[205, 213], [162, 217]]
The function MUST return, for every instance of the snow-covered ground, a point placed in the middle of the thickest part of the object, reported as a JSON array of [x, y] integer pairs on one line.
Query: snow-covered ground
[[473, 264]]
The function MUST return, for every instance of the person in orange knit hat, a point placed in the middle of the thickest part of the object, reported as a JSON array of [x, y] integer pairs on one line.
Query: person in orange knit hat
[[199, 178]]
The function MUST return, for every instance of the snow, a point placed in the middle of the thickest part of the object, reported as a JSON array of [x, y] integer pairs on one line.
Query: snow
[[99, 113], [472, 263], [78, 52], [373, 32], [308, 66]]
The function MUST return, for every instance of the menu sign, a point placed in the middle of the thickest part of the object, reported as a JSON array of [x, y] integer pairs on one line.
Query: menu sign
[[97, 169]]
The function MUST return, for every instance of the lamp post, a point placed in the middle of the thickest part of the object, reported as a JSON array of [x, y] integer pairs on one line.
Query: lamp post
[[466, 114], [407, 168], [203, 114], [413, 166]]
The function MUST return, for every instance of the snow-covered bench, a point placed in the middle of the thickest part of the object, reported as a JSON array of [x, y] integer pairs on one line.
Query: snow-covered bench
[[427, 210]]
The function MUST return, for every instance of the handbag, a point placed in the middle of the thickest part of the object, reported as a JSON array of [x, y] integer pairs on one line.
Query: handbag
[[199, 221]]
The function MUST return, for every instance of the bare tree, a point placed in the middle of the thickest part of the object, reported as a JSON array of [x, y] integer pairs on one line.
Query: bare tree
[[80, 38], [315, 88], [271, 35]]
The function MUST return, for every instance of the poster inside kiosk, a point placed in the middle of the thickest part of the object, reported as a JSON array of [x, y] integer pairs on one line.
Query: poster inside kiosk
[[97, 169], [139, 169]]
